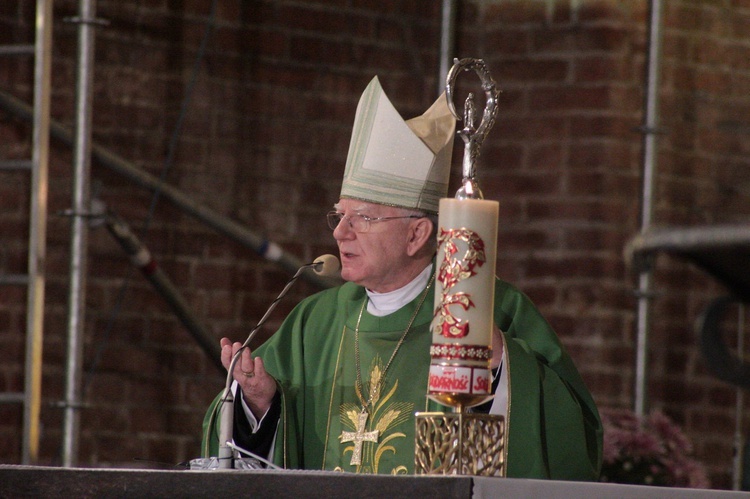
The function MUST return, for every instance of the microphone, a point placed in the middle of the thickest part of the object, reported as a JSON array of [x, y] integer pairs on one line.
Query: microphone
[[325, 265]]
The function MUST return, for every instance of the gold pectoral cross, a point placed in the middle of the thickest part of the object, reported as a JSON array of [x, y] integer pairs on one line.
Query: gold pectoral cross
[[358, 437]]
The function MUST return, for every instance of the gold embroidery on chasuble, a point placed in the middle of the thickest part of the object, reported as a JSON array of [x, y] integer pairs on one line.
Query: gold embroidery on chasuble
[[374, 438]]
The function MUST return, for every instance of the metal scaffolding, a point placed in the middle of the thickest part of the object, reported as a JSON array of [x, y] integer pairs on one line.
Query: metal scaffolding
[[649, 129], [79, 231], [83, 149], [34, 279]]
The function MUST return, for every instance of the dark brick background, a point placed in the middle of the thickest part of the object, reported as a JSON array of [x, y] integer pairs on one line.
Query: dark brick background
[[264, 140]]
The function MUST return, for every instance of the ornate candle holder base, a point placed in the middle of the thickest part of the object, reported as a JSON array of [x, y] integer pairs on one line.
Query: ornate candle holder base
[[459, 443]]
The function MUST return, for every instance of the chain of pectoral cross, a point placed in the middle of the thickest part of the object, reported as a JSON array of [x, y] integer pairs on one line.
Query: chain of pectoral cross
[[360, 436]]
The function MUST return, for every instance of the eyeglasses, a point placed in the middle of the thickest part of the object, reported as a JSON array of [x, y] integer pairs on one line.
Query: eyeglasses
[[359, 223]]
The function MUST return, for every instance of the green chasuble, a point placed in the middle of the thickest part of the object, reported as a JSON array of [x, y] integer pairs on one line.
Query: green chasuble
[[553, 430]]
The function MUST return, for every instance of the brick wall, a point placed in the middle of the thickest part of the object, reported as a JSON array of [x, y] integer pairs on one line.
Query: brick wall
[[263, 139]]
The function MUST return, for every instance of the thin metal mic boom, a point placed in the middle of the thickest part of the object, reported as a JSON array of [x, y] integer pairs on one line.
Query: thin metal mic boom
[[325, 265]]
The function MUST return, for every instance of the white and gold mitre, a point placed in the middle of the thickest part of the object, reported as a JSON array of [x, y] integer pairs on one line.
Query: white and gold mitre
[[396, 162]]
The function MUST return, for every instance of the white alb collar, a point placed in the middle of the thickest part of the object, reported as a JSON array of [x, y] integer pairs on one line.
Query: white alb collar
[[381, 304]]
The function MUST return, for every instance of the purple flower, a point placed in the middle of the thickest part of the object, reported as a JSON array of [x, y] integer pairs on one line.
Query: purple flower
[[651, 450]]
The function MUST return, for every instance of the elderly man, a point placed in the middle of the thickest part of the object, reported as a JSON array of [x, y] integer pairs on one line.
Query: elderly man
[[336, 388]]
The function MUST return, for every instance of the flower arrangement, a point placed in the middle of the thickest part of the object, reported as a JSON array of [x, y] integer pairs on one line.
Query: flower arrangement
[[648, 450]]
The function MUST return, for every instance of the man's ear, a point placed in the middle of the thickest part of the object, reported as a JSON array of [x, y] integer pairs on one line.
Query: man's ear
[[419, 234]]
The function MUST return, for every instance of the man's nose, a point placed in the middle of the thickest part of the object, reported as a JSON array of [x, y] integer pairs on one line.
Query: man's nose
[[343, 230]]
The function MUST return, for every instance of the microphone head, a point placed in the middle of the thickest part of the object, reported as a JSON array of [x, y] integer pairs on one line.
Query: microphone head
[[326, 265]]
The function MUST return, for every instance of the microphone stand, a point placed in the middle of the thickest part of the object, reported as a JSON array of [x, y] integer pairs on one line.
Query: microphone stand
[[226, 425]]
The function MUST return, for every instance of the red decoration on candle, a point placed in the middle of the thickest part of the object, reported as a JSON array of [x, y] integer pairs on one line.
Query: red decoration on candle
[[453, 270]]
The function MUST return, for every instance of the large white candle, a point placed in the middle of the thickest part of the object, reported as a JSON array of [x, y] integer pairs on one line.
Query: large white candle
[[464, 298]]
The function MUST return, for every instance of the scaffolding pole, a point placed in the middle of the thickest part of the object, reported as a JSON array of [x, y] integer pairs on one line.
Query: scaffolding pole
[[649, 129], [447, 41], [79, 231], [37, 231]]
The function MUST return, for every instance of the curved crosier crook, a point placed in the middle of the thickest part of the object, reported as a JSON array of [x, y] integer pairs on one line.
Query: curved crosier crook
[[472, 137]]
